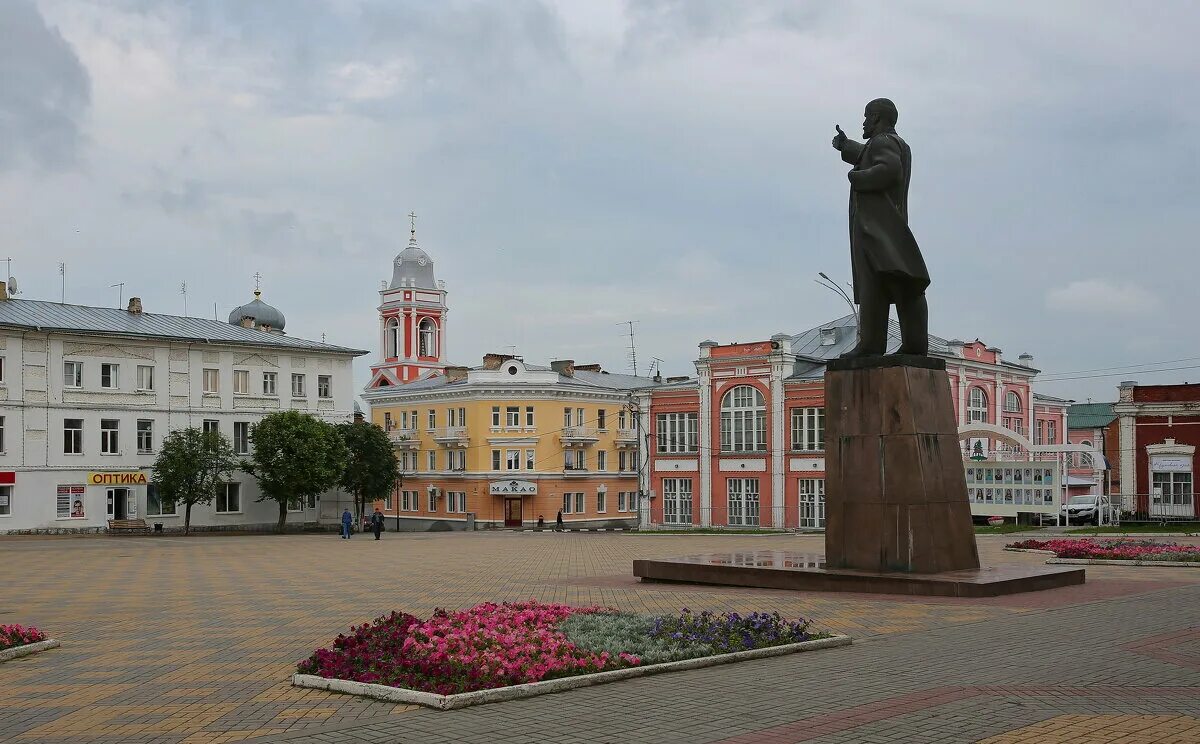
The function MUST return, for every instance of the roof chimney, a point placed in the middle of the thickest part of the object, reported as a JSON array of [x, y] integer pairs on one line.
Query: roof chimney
[[588, 368], [657, 376], [680, 378], [564, 367], [135, 305], [493, 361], [1025, 360], [453, 374], [829, 336], [3, 291]]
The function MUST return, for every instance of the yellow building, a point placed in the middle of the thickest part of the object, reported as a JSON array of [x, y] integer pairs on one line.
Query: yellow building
[[510, 443]]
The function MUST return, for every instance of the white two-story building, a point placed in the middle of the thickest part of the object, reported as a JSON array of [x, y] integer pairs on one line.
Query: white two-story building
[[87, 395]]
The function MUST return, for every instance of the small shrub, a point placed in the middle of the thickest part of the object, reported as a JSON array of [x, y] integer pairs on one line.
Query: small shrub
[[15, 635]]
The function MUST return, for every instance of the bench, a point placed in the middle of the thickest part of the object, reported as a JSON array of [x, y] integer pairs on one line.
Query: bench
[[128, 525]]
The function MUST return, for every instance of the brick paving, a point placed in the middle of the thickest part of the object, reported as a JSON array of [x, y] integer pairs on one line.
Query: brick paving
[[192, 640]]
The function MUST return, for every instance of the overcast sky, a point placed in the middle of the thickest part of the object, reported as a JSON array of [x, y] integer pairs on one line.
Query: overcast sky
[[578, 164]]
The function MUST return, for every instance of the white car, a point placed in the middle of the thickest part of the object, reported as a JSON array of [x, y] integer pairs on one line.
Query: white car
[[1089, 508]]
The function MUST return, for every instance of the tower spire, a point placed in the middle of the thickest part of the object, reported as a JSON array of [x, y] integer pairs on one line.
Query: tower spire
[[412, 228]]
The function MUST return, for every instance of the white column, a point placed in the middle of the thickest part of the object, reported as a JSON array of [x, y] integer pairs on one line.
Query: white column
[[641, 428], [704, 381], [778, 443], [962, 396], [1127, 443]]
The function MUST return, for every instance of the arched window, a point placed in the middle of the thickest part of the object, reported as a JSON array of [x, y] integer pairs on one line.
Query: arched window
[[1085, 460], [743, 420], [1012, 402], [977, 406], [427, 333], [392, 338]]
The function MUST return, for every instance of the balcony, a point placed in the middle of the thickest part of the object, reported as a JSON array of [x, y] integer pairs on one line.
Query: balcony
[[404, 438], [627, 437], [574, 471], [451, 436], [579, 436]]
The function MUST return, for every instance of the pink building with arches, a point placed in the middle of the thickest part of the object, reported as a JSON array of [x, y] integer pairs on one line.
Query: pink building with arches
[[743, 443]]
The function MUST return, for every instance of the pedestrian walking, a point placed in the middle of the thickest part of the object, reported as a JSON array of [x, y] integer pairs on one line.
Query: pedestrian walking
[[558, 523], [347, 520], [377, 522]]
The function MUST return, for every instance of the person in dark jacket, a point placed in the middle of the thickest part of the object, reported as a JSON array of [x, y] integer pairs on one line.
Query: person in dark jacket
[[558, 523], [347, 520], [541, 522], [377, 523]]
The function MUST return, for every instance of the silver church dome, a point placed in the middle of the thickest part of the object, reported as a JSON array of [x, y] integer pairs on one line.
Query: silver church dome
[[263, 316], [413, 267]]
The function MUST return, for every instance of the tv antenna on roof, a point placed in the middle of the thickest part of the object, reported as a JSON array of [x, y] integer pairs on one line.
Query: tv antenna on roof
[[183, 291], [632, 345], [120, 292], [12, 280]]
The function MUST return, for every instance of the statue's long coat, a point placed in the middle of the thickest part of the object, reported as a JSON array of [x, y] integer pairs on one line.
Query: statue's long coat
[[880, 241]]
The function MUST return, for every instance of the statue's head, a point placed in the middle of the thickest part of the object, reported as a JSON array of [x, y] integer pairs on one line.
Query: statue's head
[[879, 117]]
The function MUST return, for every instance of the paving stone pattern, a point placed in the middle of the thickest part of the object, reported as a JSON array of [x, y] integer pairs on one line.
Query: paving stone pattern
[[167, 639]]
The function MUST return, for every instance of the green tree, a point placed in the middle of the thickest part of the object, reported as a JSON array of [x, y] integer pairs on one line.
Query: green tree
[[372, 470], [296, 456], [190, 466]]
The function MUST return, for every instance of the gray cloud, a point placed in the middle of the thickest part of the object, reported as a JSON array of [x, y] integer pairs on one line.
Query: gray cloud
[[44, 91]]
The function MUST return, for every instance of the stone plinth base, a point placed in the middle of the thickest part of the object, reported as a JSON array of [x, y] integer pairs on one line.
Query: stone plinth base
[[781, 569], [896, 494]]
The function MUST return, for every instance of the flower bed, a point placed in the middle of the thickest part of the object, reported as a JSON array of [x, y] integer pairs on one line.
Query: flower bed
[[1113, 550], [15, 635], [491, 646]]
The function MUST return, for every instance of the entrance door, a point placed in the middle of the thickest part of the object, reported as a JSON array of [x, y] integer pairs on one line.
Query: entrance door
[[512, 512], [118, 503]]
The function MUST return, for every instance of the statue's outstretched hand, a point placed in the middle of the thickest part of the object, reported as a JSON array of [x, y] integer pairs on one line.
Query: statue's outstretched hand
[[839, 139]]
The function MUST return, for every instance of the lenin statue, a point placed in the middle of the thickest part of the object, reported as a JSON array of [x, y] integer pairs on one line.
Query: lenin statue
[[886, 263]]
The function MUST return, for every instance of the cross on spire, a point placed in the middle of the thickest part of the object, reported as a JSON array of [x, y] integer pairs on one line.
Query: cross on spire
[[257, 281], [412, 223]]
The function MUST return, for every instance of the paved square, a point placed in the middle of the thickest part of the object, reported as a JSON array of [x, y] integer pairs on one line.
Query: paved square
[[192, 640]]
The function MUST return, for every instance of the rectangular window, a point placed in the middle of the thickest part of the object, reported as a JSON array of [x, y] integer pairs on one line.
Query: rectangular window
[[73, 374], [495, 415], [621, 419], [432, 419], [621, 502], [298, 390], [512, 459], [409, 501], [573, 460], [432, 460], [109, 437], [432, 494], [241, 381], [622, 460], [808, 429], [677, 500], [229, 498], [156, 505], [1051, 432], [678, 433], [108, 376], [602, 460], [70, 502], [812, 503], [601, 502], [324, 386], [529, 415], [602, 420], [145, 377], [579, 417], [6, 494], [387, 420], [579, 503], [530, 458], [212, 380], [145, 436], [457, 502], [72, 436], [1040, 432], [1171, 494], [2, 434], [512, 416], [496, 455], [1, 369], [568, 503], [743, 502], [211, 426], [566, 417], [270, 380], [241, 437]]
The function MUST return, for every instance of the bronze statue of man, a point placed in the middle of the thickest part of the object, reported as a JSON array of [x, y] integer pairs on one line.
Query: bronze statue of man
[[886, 262]]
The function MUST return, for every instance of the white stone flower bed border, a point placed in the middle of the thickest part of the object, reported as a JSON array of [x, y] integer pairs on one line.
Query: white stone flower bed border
[[17, 652], [533, 689], [1111, 562]]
